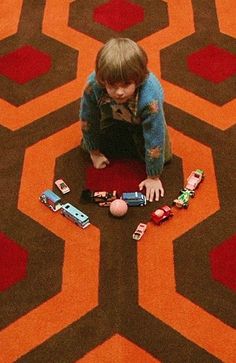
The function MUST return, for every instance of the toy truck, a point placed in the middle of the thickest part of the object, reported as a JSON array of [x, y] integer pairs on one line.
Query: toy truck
[[134, 199], [51, 200]]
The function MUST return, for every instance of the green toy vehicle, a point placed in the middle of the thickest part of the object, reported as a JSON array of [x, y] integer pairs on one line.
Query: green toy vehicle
[[183, 200]]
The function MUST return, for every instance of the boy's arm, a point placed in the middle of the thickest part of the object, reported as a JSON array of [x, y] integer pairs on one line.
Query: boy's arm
[[90, 112], [153, 124], [99, 160], [90, 118]]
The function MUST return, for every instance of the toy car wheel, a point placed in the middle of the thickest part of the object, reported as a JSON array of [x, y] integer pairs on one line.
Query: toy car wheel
[[185, 206]]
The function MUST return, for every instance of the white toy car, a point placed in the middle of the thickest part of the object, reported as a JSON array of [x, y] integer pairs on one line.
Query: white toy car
[[194, 179], [139, 232], [62, 186]]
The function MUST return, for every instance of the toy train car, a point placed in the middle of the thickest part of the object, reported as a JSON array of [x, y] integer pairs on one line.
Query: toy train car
[[75, 215]]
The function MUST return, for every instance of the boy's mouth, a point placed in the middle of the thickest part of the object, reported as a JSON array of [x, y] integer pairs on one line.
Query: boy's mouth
[[120, 100]]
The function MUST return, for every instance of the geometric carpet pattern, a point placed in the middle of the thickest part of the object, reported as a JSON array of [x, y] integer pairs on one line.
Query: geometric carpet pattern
[[95, 295]]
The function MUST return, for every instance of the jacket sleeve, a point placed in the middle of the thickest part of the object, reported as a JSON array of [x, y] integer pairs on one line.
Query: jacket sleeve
[[90, 118], [153, 124]]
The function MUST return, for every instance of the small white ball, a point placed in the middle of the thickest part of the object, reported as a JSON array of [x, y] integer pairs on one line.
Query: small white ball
[[118, 208]]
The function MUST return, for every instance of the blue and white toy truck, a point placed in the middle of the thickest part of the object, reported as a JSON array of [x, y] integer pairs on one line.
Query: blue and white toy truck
[[51, 200], [134, 199]]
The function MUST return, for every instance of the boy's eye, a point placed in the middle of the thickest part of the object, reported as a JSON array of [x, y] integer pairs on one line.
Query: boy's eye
[[115, 86]]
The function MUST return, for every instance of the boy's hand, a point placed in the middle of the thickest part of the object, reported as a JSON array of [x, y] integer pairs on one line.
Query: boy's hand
[[154, 188], [99, 160]]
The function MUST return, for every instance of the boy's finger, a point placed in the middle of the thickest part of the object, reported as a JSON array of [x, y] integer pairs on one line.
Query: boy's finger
[[141, 186], [151, 195]]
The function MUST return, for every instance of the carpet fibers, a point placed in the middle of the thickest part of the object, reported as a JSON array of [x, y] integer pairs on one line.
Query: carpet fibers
[[95, 295]]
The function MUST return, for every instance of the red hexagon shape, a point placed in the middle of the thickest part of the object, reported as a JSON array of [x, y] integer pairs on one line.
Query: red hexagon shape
[[13, 262], [24, 64], [118, 15], [223, 263], [212, 63]]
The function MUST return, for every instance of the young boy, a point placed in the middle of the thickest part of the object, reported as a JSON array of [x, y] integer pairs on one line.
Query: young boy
[[122, 112]]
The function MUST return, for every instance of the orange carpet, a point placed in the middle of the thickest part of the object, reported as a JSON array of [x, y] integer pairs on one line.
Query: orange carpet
[[95, 295]]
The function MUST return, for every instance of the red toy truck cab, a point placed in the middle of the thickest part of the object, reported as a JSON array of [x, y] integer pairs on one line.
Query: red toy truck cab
[[161, 214]]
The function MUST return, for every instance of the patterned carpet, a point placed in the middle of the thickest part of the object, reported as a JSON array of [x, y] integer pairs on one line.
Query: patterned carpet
[[96, 295]]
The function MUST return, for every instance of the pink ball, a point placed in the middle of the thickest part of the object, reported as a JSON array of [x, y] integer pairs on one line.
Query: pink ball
[[118, 208]]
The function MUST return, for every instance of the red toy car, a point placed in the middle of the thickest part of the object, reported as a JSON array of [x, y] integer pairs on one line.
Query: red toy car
[[161, 214]]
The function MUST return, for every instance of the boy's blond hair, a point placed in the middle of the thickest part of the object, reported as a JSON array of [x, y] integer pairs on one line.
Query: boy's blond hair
[[121, 60]]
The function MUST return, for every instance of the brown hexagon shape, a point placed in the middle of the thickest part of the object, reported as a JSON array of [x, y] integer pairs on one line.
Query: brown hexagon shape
[[58, 74], [82, 13], [60, 56]]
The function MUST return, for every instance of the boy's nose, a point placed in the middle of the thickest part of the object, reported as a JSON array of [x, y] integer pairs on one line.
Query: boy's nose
[[120, 91]]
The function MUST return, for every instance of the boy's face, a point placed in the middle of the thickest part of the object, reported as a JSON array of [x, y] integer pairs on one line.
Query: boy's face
[[121, 92]]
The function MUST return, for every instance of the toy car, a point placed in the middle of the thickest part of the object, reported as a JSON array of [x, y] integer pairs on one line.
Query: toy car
[[103, 199], [139, 232], [75, 215], [194, 179], [183, 199], [134, 199], [62, 186], [51, 200], [161, 214]]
